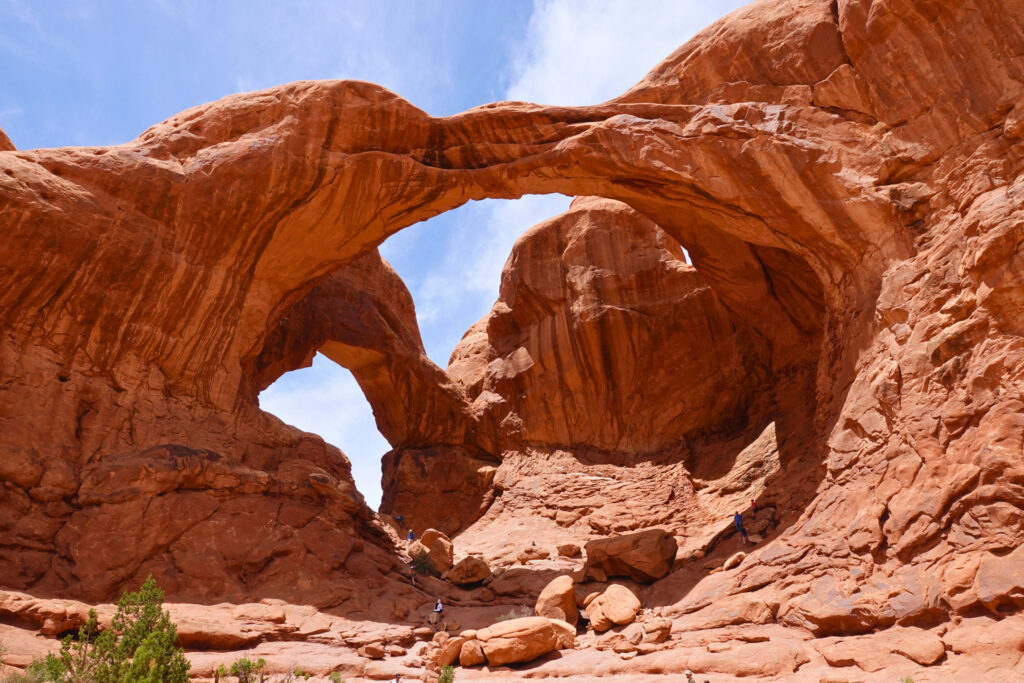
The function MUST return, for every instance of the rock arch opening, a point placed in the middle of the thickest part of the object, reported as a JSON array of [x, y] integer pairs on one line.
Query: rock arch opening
[[325, 399], [292, 265]]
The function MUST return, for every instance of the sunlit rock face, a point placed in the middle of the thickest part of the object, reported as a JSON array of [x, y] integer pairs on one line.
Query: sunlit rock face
[[845, 178], [603, 335]]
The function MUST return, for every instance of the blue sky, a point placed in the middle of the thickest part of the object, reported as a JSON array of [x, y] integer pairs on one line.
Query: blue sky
[[101, 72]]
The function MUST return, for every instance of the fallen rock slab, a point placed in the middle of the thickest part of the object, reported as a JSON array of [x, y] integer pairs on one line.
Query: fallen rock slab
[[440, 550], [518, 640], [644, 556], [468, 570]]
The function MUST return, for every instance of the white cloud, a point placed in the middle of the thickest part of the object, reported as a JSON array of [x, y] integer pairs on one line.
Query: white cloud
[[588, 51]]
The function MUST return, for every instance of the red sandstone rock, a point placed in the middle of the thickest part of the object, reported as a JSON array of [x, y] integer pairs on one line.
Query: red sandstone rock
[[558, 600], [569, 550], [468, 570], [845, 178], [518, 640], [616, 605], [644, 556], [472, 654], [439, 549]]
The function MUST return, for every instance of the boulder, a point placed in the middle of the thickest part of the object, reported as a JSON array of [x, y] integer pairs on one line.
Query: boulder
[[657, 630], [372, 651], [569, 550], [533, 553], [439, 549], [558, 600], [518, 640], [472, 654], [468, 570], [644, 556], [734, 561], [451, 650], [565, 632], [625, 640], [616, 605]]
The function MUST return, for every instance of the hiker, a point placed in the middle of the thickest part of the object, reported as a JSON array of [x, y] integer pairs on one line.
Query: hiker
[[738, 521], [689, 676], [396, 679], [410, 536], [400, 519], [439, 610], [753, 506]]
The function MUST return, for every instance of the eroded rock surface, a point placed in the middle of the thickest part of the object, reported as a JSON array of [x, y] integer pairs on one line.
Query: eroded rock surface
[[846, 179]]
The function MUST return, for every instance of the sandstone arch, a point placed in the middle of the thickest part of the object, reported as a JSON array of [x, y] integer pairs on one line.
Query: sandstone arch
[[146, 280]]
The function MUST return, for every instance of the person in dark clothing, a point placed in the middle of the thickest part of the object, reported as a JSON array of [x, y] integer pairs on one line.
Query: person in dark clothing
[[410, 536], [400, 519], [737, 519]]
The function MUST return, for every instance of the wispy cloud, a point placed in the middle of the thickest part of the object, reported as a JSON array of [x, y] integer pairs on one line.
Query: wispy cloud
[[588, 51]]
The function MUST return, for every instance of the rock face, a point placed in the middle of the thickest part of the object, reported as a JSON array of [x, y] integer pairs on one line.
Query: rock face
[[568, 357], [644, 556], [846, 341]]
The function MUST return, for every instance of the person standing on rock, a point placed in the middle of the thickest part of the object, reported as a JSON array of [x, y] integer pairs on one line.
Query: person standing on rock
[[738, 521], [689, 676], [410, 536], [396, 679], [439, 610]]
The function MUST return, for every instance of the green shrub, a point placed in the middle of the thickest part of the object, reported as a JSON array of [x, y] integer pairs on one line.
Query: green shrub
[[247, 670], [139, 646], [336, 677], [514, 613], [421, 565], [221, 672], [447, 675], [32, 674]]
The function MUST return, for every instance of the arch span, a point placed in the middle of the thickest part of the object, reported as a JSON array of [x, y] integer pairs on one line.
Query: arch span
[[144, 282]]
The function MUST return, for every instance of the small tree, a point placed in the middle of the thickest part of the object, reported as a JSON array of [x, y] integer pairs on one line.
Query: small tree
[[247, 670], [421, 564], [139, 646], [447, 675]]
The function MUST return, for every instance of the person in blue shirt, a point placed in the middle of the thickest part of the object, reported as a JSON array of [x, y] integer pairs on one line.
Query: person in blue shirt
[[737, 519], [410, 536]]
